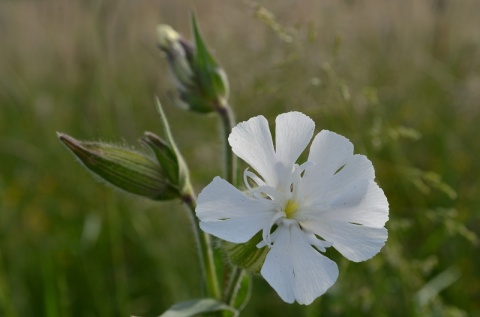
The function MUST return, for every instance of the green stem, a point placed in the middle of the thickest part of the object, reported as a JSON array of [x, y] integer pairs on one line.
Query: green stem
[[234, 284], [205, 251], [230, 172], [228, 121]]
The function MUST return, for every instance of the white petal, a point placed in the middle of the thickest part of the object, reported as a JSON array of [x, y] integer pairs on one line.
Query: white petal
[[236, 230], [252, 142], [320, 187], [351, 195], [371, 210], [330, 151], [357, 167], [293, 132], [295, 269], [355, 242], [227, 213]]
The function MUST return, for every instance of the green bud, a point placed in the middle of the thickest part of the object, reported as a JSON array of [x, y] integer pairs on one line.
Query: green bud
[[178, 53], [195, 102], [247, 255], [201, 83], [126, 169]]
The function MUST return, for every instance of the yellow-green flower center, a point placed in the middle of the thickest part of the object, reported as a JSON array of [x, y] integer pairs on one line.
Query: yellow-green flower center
[[291, 208]]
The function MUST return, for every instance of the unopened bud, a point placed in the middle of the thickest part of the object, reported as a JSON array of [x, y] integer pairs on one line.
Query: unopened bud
[[178, 53], [126, 169], [201, 83]]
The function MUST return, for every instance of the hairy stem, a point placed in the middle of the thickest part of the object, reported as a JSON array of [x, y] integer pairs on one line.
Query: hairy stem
[[228, 121], [205, 251], [230, 173], [234, 284]]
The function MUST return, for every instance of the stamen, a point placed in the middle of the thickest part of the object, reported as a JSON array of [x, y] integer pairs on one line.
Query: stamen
[[297, 172], [257, 180], [266, 234], [320, 244], [271, 192], [291, 208]]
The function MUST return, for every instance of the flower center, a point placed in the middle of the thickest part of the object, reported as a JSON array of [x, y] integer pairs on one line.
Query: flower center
[[290, 209]]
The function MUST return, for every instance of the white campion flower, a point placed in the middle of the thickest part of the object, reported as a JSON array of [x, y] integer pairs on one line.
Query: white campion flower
[[330, 200]]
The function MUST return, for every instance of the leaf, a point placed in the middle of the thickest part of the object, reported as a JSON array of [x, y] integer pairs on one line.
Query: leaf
[[164, 154], [437, 284], [212, 79], [183, 173], [197, 306]]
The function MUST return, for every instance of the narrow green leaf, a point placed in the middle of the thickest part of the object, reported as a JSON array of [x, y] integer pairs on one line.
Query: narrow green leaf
[[203, 56], [183, 173], [211, 77], [440, 282], [164, 154], [244, 292], [198, 306]]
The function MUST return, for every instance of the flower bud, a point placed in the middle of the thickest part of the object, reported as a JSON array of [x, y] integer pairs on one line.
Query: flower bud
[[126, 169], [179, 55], [201, 83], [247, 255]]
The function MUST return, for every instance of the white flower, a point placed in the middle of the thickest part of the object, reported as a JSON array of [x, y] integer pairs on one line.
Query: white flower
[[330, 200]]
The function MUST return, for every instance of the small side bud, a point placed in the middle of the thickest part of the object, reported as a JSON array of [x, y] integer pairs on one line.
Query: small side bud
[[201, 83], [247, 255], [123, 168], [178, 54]]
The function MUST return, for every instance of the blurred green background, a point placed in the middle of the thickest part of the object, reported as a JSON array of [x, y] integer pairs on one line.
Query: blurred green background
[[400, 78]]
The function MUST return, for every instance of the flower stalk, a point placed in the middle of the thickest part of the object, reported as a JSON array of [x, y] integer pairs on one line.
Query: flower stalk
[[230, 172], [228, 121], [205, 253]]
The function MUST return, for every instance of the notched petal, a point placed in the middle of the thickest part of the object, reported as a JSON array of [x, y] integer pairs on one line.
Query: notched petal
[[252, 142], [354, 241], [330, 151], [352, 195], [296, 270], [293, 132], [227, 213], [370, 211]]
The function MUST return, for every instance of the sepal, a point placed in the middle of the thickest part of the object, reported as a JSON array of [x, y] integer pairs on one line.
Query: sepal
[[211, 77], [179, 55], [124, 168], [168, 155], [247, 255]]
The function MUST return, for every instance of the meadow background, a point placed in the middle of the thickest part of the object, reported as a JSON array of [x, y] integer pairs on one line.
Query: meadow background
[[400, 78]]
